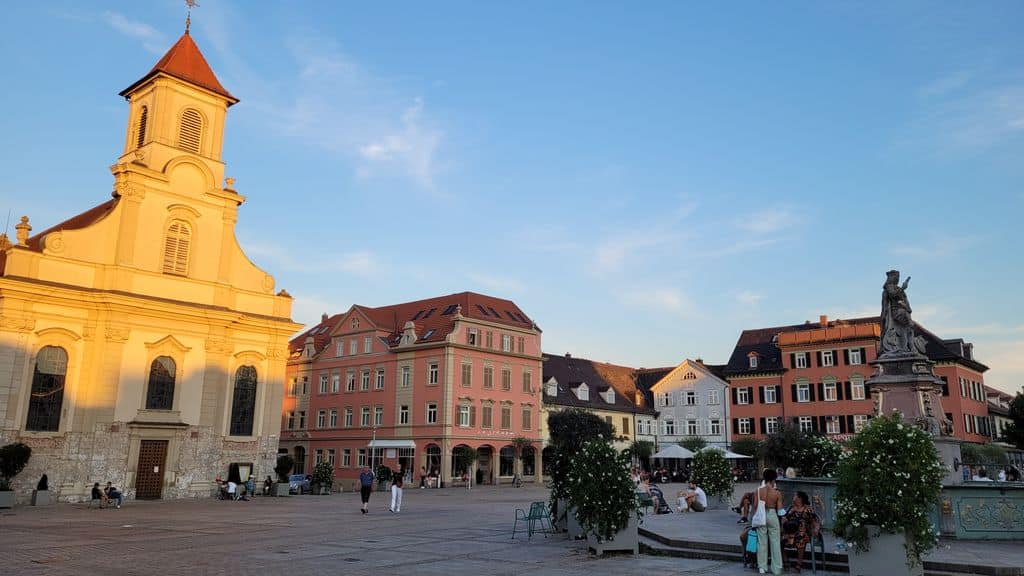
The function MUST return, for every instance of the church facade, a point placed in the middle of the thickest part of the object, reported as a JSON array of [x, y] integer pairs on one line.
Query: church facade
[[138, 344]]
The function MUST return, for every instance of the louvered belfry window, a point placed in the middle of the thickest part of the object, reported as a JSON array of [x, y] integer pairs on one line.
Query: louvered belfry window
[[140, 130], [176, 247], [190, 131]]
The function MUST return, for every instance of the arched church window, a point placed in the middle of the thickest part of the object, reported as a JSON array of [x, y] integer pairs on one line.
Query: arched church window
[[140, 130], [243, 404], [160, 393], [176, 248], [47, 395], [190, 131]]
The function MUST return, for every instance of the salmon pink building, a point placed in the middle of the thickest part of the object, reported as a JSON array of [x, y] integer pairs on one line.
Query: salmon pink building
[[412, 385], [813, 376]]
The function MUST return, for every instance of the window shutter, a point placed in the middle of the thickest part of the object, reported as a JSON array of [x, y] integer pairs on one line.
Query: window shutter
[[822, 423], [796, 421], [750, 394], [821, 390], [190, 131], [792, 361], [842, 424], [846, 356], [472, 415], [863, 356], [735, 425], [734, 400], [793, 389], [140, 131], [849, 423], [764, 425], [839, 391], [760, 393], [176, 248], [810, 392], [849, 390], [818, 354], [778, 394]]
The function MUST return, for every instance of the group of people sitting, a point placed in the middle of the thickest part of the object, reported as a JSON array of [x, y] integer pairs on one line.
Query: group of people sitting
[[107, 494], [1007, 474], [784, 529], [231, 490]]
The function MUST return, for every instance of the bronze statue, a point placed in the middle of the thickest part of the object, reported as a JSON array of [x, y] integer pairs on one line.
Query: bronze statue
[[897, 327]]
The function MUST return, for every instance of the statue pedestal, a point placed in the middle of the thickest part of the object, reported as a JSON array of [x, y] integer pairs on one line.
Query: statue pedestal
[[949, 451], [906, 383]]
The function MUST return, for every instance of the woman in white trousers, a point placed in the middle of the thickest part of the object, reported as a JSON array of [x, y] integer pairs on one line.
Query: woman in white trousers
[[396, 493]]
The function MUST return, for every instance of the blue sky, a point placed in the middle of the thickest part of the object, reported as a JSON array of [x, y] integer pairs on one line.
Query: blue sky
[[644, 180]]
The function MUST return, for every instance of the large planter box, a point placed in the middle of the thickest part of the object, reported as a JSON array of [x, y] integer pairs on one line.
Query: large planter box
[[887, 554], [625, 539], [572, 525], [41, 498], [560, 519], [7, 499], [281, 489]]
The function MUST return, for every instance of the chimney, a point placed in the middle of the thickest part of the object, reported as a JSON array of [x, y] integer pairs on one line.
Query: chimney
[[323, 318], [823, 319], [568, 356]]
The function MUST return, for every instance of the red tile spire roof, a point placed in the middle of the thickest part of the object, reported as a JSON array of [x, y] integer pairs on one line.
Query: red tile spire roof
[[185, 62]]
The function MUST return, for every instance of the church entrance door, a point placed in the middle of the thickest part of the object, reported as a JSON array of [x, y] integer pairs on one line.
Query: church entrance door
[[149, 475]]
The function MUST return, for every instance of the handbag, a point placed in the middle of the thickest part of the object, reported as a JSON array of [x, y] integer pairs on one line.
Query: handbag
[[752, 541], [760, 518]]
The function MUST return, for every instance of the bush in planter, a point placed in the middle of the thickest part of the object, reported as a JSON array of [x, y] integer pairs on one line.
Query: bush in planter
[[890, 478], [712, 473], [819, 457], [13, 458], [600, 488], [569, 430], [285, 463], [323, 475]]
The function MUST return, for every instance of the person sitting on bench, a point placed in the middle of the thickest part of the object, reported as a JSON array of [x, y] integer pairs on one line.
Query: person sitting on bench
[[98, 494], [744, 508], [112, 493], [696, 500]]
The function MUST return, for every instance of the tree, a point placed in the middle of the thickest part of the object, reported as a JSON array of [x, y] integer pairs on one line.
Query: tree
[[642, 450], [466, 458], [569, 430], [285, 463], [748, 447], [1014, 433], [13, 458], [711, 471], [785, 447], [693, 443]]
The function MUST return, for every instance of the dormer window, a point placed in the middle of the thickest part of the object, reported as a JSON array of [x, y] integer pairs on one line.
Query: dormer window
[[609, 396], [355, 323], [583, 392], [753, 359], [551, 387]]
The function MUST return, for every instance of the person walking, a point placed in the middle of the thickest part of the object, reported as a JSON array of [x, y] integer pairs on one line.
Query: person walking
[[769, 534], [396, 493], [365, 487]]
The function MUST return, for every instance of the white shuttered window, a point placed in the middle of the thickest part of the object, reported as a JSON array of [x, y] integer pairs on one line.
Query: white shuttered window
[[176, 247]]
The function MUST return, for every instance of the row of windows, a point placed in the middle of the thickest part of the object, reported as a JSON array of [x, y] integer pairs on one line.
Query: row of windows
[[374, 416], [331, 383], [687, 398], [473, 337], [826, 391], [823, 424], [825, 358], [712, 427], [467, 416], [977, 425], [353, 344], [972, 389], [46, 398], [506, 459]]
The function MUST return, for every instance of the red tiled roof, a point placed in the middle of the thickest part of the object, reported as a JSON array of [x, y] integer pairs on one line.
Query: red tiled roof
[[185, 62], [428, 315], [83, 220]]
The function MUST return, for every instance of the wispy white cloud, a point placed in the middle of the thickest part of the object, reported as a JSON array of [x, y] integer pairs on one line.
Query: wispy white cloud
[[612, 254], [152, 39], [497, 283], [749, 298], [937, 247], [411, 145], [967, 110], [663, 299], [768, 221]]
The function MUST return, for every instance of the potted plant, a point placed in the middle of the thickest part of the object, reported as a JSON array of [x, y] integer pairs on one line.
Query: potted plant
[[569, 430], [383, 475], [466, 458], [284, 466], [41, 495], [886, 486], [323, 478], [712, 473], [13, 458], [603, 496]]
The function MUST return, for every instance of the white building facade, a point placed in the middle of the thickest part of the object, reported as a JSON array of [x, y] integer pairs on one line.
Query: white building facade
[[691, 401]]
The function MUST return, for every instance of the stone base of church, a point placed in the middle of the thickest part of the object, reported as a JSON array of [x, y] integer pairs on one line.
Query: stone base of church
[[195, 457]]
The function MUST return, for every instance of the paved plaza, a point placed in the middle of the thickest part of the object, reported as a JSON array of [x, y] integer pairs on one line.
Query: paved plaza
[[442, 532]]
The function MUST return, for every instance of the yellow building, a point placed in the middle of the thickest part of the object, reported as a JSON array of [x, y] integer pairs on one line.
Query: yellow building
[[138, 344]]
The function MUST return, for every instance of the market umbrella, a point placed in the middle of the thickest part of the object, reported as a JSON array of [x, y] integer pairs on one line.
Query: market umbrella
[[674, 451]]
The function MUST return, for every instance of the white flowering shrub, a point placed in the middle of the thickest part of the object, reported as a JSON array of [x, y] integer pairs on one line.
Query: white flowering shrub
[[600, 489], [712, 473], [891, 478], [820, 457]]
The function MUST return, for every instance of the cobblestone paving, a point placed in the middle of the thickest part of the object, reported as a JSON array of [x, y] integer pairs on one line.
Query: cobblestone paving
[[438, 532]]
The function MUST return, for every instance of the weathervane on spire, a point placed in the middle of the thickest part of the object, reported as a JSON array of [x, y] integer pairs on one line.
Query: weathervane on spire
[[188, 18]]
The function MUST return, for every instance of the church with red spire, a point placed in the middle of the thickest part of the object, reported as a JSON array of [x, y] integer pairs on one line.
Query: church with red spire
[[138, 343]]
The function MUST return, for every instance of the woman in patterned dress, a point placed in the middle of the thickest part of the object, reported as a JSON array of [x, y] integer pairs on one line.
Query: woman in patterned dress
[[799, 527]]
